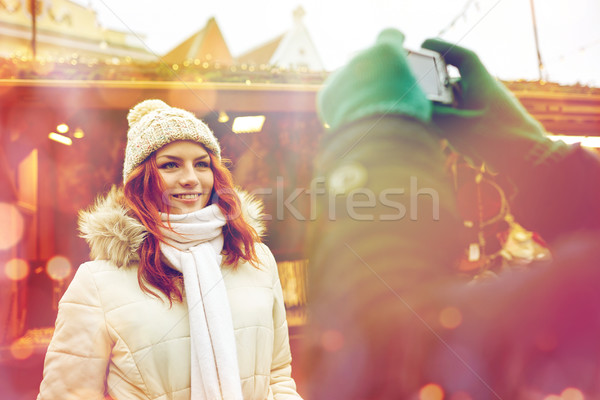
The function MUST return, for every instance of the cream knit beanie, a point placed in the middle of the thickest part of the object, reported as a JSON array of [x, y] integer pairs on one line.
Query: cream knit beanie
[[153, 124]]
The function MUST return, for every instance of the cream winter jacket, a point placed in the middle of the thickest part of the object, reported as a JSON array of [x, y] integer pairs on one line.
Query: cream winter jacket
[[112, 339]]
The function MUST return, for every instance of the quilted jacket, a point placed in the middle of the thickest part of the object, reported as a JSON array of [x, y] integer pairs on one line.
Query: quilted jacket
[[114, 341]]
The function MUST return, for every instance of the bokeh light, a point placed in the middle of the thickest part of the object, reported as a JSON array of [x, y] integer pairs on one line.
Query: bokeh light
[[572, 394], [58, 268], [21, 349], [16, 269], [12, 225], [553, 397], [431, 391], [332, 340], [450, 317], [79, 133], [62, 128]]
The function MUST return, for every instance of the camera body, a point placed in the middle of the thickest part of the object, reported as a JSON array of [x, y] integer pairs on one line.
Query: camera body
[[432, 76]]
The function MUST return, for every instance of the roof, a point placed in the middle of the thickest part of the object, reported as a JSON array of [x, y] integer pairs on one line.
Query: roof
[[292, 49], [261, 54], [207, 44]]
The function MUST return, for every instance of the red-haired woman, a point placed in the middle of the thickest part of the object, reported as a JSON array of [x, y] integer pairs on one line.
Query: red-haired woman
[[182, 299]]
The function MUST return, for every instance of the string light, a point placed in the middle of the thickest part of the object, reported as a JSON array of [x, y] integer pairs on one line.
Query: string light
[[62, 128], [57, 137], [78, 134]]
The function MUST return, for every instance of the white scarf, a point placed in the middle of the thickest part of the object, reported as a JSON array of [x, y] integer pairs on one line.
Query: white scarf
[[196, 252]]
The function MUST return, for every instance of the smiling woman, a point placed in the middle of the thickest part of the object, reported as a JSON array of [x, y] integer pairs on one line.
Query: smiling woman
[[182, 299], [184, 167]]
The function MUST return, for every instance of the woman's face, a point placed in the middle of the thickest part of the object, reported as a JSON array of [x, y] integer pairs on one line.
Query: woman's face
[[187, 175]]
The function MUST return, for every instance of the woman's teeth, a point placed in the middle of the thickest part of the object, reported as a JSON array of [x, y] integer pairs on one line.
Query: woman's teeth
[[186, 196]]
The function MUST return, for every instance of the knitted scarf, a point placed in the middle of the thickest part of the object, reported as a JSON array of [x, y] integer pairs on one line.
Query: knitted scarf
[[195, 250]]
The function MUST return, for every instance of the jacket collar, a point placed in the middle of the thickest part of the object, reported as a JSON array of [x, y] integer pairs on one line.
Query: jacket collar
[[114, 234]]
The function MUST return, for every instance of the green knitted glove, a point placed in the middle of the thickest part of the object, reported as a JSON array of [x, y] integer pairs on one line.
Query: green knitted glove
[[376, 81], [490, 124]]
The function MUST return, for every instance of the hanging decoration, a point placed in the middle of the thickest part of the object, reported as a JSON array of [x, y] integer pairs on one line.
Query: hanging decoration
[[497, 242]]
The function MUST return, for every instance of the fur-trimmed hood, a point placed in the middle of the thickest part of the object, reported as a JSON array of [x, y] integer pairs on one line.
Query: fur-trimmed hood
[[114, 234]]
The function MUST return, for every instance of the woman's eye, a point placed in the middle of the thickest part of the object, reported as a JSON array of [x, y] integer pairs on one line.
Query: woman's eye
[[168, 165], [202, 164]]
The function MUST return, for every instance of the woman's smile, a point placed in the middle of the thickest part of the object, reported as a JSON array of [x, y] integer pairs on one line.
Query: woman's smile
[[185, 168]]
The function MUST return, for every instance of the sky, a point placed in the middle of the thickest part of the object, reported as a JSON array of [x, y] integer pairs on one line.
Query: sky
[[501, 32]]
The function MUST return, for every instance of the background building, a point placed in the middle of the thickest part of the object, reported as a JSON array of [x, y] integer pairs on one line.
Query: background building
[[63, 30]]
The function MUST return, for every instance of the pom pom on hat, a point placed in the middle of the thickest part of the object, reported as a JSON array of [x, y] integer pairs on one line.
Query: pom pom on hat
[[143, 108], [154, 124], [376, 81]]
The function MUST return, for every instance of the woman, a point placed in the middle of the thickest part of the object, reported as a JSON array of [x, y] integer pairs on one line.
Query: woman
[[182, 300]]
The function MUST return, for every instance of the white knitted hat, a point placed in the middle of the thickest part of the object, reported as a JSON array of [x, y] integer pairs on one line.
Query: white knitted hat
[[153, 124]]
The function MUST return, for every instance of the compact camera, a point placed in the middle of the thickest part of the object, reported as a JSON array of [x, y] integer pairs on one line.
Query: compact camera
[[432, 76]]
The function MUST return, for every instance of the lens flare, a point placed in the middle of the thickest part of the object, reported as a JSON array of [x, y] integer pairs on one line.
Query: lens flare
[[16, 269], [12, 225], [58, 268]]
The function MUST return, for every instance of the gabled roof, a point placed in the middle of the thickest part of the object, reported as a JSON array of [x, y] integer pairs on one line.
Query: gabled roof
[[293, 49], [261, 54], [207, 44]]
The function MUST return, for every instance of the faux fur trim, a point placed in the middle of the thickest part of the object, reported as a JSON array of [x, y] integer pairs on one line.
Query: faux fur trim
[[110, 231], [113, 234], [252, 211]]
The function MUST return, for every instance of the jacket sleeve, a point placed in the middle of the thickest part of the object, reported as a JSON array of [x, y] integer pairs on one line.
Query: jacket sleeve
[[283, 385], [76, 362], [559, 197], [373, 270]]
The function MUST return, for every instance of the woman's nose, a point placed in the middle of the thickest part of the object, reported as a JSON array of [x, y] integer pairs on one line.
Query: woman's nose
[[188, 176]]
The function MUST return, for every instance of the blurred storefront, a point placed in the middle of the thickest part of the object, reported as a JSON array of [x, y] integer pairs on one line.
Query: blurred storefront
[[62, 137]]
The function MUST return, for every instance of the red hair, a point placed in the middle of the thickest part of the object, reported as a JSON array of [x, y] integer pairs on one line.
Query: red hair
[[143, 194]]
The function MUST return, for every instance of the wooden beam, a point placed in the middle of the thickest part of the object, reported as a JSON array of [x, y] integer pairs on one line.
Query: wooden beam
[[559, 112], [199, 97]]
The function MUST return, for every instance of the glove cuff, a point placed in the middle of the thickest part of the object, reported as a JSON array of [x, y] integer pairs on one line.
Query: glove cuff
[[547, 152], [376, 81]]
